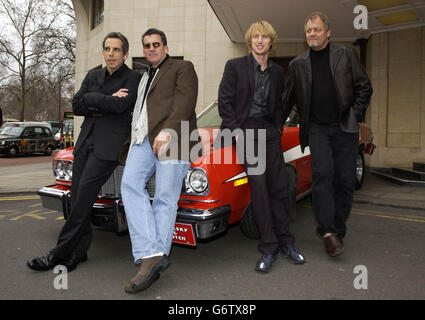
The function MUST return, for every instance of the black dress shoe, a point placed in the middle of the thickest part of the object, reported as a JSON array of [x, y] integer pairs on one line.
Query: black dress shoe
[[265, 263], [291, 253], [72, 262], [43, 263]]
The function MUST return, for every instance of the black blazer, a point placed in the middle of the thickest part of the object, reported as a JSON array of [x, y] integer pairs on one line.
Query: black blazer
[[109, 117], [352, 84], [236, 93]]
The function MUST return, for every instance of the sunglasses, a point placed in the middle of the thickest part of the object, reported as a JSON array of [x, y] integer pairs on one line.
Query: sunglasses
[[153, 44]]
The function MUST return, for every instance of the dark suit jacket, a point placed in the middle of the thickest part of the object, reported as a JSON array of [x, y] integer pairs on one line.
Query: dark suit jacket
[[109, 117], [352, 85], [236, 93], [171, 100]]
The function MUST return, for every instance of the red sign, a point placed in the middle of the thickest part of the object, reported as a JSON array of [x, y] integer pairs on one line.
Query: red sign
[[183, 233]]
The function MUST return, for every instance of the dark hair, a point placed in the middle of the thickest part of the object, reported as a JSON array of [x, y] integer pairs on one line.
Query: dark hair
[[152, 31], [117, 35]]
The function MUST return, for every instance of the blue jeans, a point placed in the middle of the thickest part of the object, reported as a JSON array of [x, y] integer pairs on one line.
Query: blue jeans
[[151, 226]]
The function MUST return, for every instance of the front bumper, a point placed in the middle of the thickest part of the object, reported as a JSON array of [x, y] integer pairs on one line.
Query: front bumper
[[205, 223], [56, 199], [4, 150]]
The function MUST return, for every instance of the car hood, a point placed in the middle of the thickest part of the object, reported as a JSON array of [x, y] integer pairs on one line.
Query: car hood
[[208, 136], [8, 137], [65, 154]]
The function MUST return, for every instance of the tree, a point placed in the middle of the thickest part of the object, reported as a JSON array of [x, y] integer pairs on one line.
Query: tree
[[34, 47]]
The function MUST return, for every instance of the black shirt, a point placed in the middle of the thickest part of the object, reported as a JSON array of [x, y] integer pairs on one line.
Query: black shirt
[[261, 91], [116, 74], [152, 71], [324, 100]]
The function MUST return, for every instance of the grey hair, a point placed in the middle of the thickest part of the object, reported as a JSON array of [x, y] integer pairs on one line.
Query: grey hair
[[322, 17]]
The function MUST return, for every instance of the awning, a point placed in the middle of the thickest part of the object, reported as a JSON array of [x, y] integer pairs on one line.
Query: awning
[[287, 16]]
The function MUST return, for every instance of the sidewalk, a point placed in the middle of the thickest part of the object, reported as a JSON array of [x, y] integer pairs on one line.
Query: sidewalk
[[375, 191]]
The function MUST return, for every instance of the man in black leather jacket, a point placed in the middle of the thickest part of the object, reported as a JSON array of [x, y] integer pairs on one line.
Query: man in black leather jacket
[[332, 91]]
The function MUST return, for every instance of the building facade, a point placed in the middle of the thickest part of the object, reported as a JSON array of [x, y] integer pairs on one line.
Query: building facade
[[395, 62]]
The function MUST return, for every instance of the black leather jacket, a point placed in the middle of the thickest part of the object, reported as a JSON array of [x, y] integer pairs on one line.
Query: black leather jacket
[[352, 85]]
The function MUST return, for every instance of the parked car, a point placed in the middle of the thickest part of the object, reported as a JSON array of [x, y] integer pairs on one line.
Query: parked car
[[26, 138], [213, 195]]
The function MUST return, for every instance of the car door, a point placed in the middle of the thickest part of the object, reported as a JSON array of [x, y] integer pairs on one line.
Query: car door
[[27, 142], [40, 140]]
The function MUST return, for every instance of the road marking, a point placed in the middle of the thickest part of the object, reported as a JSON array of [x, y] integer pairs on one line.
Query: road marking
[[8, 213], [384, 216], [388, 217], [33, 214], [19, 198]]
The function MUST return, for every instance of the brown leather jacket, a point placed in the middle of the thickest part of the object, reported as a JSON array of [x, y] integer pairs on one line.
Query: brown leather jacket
[[352, 85]]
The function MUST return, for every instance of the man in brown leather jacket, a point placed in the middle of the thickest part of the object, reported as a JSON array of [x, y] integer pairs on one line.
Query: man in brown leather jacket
[[331, 91]]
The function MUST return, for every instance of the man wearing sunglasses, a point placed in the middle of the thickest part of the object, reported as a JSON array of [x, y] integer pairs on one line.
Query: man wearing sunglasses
[[166, 96]]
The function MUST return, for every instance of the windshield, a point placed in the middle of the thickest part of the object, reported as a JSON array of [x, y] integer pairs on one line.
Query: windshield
[[11, 131], [293, 119], [209, 117]]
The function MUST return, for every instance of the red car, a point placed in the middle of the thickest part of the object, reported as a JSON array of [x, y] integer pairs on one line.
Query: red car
[[213, 195]]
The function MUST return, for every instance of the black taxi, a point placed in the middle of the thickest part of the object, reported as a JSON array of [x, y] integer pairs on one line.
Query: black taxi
[[26, 138]]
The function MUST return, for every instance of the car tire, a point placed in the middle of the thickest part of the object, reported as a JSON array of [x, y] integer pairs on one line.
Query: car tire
[[360, 171], [48, 151], [12, 152], [292, 191], [248, 226]]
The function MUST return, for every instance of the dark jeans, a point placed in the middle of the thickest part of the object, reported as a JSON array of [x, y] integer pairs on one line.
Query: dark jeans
[[268, 190], [333, 163], [88, 176]]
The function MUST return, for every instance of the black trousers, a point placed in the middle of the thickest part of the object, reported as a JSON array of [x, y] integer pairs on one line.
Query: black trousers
[[269, 193], [333, 164], [88, 176]]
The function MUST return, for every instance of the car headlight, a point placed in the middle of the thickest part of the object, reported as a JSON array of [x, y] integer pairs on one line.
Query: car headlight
[[3, 143], [68, 170], [62, 170], [196, 182]]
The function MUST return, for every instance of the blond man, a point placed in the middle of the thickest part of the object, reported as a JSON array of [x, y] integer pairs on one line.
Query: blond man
[[250, 102]]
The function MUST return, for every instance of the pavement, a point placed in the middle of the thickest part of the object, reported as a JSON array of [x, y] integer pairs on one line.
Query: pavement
[[28, 178]]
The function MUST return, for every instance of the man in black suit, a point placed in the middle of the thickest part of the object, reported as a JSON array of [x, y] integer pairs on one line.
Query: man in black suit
[[249, 101], [106, 100], [332, 91]]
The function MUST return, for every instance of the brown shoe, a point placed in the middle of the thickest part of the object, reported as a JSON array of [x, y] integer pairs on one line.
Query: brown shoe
[[333, 246], [149, 272]]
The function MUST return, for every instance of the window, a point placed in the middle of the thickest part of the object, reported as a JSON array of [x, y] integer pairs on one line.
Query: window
[[47, 133], [38, 132], [28, 133], [97, 7]]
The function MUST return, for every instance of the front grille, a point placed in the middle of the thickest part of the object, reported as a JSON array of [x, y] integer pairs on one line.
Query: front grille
[[112, 187]]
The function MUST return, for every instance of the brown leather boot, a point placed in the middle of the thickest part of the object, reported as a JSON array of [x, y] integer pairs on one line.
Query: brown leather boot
[[148, 273]]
